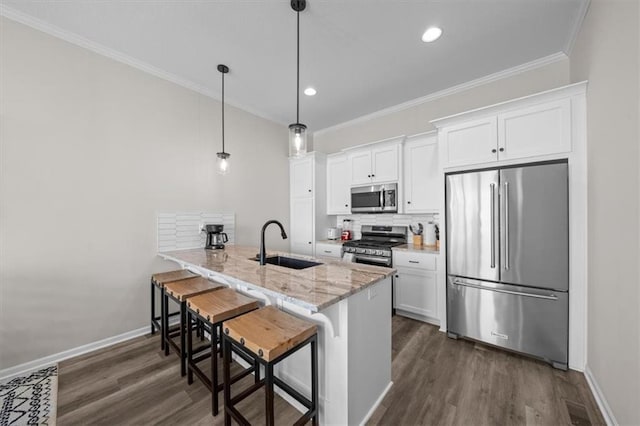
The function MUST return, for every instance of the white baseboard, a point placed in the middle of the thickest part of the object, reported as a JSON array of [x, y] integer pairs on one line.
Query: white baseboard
[[609, 418], [374, 407], [37, 364]]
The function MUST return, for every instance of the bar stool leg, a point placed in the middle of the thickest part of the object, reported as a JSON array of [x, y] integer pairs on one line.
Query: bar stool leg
[[226, 349], [183, 328], [165, 321], [189, 351], [214, 371], [268, 394], [153, 309]]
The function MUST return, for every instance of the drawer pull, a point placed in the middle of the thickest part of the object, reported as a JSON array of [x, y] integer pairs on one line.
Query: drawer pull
[[414, 261], [327, 251]]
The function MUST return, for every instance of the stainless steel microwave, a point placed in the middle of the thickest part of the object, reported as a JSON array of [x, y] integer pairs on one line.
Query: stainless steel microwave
[[375, 198]]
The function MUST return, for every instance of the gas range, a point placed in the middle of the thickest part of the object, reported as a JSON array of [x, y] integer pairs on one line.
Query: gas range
[[375, 246]]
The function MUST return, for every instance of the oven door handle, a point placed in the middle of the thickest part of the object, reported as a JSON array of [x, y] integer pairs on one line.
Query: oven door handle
[[381, 260]]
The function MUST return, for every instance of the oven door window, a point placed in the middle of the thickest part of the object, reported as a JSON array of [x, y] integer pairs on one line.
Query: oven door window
[[366, 200]]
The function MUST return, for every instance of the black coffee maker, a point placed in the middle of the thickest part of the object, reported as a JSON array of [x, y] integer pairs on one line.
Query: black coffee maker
[[215, 237]]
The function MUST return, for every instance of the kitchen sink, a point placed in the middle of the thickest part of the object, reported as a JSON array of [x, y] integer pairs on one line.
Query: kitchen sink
[[289, 262]]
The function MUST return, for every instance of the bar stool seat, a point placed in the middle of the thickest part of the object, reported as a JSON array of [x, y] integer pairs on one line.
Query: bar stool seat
[[270, 335], [180, 291], [157, 282], [212, 309]]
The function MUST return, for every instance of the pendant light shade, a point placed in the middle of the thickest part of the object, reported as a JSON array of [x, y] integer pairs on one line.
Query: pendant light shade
[[297, 139], [298, 131], [223, 157]]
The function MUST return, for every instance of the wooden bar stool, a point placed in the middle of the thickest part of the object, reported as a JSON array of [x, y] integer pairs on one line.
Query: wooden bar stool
[[212, 309], [158, 281], [180, 291], [270, 336]]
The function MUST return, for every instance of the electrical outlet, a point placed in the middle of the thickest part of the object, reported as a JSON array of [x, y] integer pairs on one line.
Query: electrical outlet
[[201, 227]]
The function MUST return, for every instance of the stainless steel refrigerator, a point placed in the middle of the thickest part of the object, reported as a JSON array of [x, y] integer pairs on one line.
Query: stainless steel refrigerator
[[508, 258]]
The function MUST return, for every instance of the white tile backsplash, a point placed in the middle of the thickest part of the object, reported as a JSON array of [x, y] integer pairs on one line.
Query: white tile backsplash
[[180, 230], [357, 220]]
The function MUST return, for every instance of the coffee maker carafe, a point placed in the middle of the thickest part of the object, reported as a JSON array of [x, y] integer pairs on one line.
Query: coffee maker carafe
[[215, 237]]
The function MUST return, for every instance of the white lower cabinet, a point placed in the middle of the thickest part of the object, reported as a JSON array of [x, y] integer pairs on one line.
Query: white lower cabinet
[[416, 286], [332, 250]]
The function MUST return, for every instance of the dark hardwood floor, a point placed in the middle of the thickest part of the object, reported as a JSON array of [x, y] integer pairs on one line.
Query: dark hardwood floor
[[436, 381]]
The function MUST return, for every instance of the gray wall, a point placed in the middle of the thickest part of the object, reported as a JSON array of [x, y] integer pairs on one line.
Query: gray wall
[[416, 119], [90, 150], [607, 54]]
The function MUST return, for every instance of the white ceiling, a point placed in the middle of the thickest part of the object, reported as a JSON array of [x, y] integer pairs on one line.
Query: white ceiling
[[361, 56]]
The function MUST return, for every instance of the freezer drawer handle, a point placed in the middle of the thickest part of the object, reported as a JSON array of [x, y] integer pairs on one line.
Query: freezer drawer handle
[[516, 293]]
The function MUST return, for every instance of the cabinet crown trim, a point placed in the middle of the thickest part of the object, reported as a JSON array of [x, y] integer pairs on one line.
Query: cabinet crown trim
[[536, 98], [388, 141]]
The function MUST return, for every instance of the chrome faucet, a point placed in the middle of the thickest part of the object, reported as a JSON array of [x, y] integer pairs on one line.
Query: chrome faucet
[[263, 252]]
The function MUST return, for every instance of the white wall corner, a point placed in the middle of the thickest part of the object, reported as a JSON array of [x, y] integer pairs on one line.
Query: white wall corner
[[603, 405]]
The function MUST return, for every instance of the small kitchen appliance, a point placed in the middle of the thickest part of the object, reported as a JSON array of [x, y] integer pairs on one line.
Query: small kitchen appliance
[[215, 237], [334, 233], [347, 232]]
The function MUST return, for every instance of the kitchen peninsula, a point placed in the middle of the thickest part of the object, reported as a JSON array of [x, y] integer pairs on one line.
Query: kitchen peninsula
[[349, 302]]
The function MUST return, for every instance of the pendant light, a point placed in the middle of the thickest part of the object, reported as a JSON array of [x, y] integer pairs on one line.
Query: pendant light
[[298, 131], [223, 157]]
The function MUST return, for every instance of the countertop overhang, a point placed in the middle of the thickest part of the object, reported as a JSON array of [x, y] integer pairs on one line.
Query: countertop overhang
[[313, 288]]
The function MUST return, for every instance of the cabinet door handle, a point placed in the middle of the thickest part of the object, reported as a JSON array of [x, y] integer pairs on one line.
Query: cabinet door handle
[[368, 176], [309, 242], [501, 149], [372, 175], [309, 190], [414, 261], [397, 276], [493, 151], [408, 202], [346, 205]]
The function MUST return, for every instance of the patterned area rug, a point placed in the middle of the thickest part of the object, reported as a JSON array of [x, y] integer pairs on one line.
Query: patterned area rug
[[31, 399]]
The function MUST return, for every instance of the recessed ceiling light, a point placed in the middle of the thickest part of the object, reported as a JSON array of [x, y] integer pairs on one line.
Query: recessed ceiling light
[[432, 34], [310, 91]]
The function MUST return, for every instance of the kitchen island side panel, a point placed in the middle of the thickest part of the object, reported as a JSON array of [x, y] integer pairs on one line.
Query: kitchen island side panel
[[369, 365]]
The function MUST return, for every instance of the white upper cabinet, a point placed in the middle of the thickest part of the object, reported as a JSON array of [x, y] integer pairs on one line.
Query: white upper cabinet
[[338, 188], [302, 177], [538, 130], [360, 166], [421, 174], [472, 142], [375, 165], [535, 126]]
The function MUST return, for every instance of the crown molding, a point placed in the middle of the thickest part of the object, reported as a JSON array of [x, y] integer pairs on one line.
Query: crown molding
[[538, 63], [70, 37], [577, 25]]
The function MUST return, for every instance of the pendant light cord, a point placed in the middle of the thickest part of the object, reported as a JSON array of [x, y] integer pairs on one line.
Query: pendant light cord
[[298, 72], [222, 112]]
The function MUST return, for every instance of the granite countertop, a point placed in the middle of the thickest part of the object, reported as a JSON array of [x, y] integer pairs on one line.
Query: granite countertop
[[422, 249], [313, 288]]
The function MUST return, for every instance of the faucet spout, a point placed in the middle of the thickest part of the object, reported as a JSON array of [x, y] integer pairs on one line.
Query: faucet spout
[[263, 251]]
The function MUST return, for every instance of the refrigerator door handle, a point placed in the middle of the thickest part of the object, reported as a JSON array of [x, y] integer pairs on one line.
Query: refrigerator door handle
[[500, 290], [506, 226], [493, 224]]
